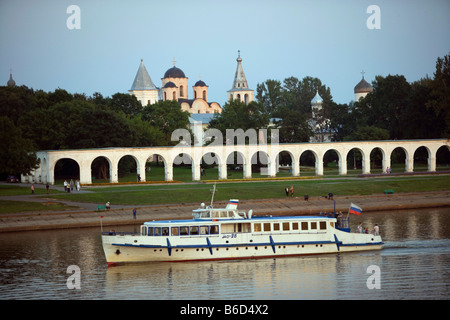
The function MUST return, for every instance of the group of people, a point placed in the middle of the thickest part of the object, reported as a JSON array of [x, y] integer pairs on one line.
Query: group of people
[[375, 231], [289, 191], [68, 186]]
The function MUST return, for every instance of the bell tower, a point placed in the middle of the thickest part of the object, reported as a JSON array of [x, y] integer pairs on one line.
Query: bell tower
[[240, 90]]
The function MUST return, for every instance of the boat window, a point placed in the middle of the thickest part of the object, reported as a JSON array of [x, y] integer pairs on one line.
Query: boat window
[[285, 226], [157, 231], [257, 227], [323, 225], [205, 214], [214, 229], [165, 231], [276, 227], [175, 231], [267, 226], [294, 225], [332, 224], [144, 230], [313, 225], [215, 214], [184, 231], [194, 230], [204, 230], [150, 231], [242, 227], [304, 225], [223, 214]]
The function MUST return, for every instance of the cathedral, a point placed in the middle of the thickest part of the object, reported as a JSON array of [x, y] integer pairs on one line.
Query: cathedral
[[174, 86]]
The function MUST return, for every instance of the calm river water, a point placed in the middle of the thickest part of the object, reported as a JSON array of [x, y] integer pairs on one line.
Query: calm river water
[[414, 264]]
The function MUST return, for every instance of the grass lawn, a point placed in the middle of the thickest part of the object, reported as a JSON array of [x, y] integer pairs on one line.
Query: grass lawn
[[24, 206], [200, 192]]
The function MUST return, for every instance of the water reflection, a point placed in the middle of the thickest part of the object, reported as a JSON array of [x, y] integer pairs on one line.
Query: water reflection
[[414, 263]]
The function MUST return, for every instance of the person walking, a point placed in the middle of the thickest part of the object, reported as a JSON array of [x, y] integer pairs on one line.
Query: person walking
[[134, 213]]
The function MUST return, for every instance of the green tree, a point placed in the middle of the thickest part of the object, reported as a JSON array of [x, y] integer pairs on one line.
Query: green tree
[[167, 116], [385, 107], [270, 94], [238, 115], [126, 103], [16, 153], [440, 93], [368, 133]]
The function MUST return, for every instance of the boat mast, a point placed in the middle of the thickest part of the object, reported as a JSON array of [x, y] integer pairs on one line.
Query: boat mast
[[213, 191]]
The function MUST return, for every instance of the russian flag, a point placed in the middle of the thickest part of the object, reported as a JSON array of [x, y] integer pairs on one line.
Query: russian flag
[[355, 209], [232, 204]]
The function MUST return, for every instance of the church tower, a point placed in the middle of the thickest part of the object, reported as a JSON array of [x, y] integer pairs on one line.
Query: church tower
[[240, 90], [175, 84], [143, 88]]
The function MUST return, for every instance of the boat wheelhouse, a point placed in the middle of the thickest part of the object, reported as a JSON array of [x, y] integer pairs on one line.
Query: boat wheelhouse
[[227, 233]]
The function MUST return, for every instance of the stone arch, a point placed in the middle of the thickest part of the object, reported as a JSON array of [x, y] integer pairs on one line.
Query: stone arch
[[210, 165], [421, 159], [101, 170], [181, 163], [261, 162], [236, 163], [355, 160], [128, 169], [286, 163], [377, 158], [442, 158], [398, 156], [65, 169], [334, 157], [156, 168], [307, 159]]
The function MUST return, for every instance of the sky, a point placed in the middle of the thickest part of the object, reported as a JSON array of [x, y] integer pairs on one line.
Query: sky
[[327, 39]]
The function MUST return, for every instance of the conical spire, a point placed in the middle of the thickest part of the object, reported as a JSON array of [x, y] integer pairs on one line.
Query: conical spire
[[142, 81], [240, 82]]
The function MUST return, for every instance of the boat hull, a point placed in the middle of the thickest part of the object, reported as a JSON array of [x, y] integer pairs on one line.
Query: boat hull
[[137, 248]]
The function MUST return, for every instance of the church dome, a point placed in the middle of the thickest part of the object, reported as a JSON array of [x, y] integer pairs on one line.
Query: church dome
[[317, 99], [11, 83], [200, 83], [170, 84], [363, 87], [174, 72]]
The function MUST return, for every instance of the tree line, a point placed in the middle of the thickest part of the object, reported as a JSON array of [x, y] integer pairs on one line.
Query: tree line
[[396, 109], [37, 120]]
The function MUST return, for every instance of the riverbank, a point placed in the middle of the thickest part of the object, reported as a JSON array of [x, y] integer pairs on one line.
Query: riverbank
[[12, 222]]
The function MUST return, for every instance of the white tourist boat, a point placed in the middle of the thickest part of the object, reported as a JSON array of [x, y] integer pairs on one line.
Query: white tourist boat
[[227, 233]]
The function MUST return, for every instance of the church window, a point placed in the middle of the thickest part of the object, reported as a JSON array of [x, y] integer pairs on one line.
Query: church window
[[181, 91], [195, 94], [174, 95], [204, 95]]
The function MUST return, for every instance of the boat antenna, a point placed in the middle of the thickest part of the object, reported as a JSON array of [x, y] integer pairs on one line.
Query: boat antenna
[[213, 192]]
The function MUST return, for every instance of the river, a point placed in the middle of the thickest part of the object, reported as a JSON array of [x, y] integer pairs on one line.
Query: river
[[413, 264]]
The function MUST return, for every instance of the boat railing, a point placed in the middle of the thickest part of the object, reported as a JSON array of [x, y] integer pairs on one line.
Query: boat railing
[[119, 233], [343, 223]]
